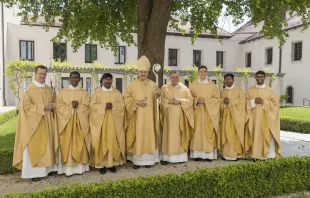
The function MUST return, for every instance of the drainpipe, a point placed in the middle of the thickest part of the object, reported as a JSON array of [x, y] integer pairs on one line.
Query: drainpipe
[[3, 61], [280, 60]]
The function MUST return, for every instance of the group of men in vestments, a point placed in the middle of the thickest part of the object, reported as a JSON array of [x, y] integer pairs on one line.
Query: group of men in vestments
[[67, 132]]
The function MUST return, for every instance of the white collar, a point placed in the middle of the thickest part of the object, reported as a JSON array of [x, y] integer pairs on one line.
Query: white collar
[[205, 81], [38, 84], [261, 86], [233, 85], [74, 88], [105, 89]]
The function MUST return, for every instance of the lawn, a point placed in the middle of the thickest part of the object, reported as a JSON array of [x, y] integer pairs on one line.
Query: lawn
[[298, 113], [7, 133]]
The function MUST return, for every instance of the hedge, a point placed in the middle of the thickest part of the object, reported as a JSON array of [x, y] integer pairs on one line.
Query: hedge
[[289, 124], [6, 157], [247, 179], [4, 117]]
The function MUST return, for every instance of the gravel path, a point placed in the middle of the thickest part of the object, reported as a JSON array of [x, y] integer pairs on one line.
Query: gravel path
[[13, 182]]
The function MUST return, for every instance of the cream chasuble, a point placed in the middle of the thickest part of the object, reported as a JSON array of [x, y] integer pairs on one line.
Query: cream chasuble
[[177, 122], [141, 124], [73, 128], [232, 122], [107, 128], [207, 117], [262, 131], [36, 139]]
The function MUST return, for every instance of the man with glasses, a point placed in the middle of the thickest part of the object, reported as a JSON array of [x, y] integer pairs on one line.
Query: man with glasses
[[141, 109], [36, 139], [262, 131]]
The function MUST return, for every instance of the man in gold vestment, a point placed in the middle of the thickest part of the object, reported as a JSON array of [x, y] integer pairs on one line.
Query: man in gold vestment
[[262, 135], [142, 124], [233, 119], [107, 126], [35, 139], [177, 119], [72, 118], [207, 117]]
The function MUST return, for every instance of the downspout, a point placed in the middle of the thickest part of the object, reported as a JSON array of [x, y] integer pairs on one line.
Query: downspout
[[3, 61], [280, 60]]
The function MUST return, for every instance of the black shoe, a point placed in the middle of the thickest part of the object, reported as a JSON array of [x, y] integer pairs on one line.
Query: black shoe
[[103, 170], [136, 167], [36, 179], [52, 173], [112, 169], [164, 162], [148, 166]]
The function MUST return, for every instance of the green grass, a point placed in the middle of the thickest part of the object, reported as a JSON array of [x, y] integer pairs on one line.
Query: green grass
[[7, 133], [298, 113]]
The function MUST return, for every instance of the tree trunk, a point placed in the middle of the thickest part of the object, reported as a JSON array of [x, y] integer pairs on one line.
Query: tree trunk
[[153, 18]]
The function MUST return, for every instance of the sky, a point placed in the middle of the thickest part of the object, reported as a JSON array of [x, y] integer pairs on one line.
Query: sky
[[228, 25]]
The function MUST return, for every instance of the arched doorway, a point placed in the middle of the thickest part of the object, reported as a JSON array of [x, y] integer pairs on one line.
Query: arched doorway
[[290, 93]]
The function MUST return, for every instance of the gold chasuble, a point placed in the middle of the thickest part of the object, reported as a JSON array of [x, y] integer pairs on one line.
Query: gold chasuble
[[107, 128], [142, 123], [262, 131], [73, 129], [177, 122], [206, 138], [233, 121], [35, 140]]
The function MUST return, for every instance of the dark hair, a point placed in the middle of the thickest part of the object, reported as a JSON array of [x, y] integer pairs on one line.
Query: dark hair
[[40, 67], [202, 66], [106, 75], [231, 75], [261, 72], [75, 72]]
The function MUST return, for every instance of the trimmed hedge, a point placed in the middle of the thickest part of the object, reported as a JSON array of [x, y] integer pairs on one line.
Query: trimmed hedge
[[289, 124], [4, 117], [6, 160], [248, 179]]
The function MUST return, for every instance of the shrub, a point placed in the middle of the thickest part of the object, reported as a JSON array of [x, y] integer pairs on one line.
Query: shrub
[[248, 179], [6, 160], [4, 117], [289, 124]]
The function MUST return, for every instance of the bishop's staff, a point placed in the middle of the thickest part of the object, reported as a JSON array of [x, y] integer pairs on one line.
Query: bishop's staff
[[156, 69]]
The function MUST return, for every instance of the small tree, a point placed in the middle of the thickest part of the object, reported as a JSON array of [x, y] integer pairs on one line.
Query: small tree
[[272, 77], [245, 75], [283, 97], [219, 77], [17, 71], [192, 74], [129, 70]]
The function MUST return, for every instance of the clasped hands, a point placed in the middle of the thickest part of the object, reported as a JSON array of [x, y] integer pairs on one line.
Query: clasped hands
[[174, 101], [259, 100], [49, 107]]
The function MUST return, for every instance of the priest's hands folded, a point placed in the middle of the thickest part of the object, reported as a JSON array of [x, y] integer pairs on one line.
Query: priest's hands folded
[[259, 100], [141, 103], [49, 107], [75, 104], [108, 105], [174, 101], [226, 100], [201, 100]]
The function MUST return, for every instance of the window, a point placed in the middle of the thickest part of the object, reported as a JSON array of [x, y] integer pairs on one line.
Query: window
[[26, 50], [297, 51], [165, 81], [220, 58], [120, 58], [90, 53], [197, 58], [60, 51], [88, 85], [248, 60], [119, 84], [65, 81], [186, 83], [268, 53], [173, 57], [214, 81]]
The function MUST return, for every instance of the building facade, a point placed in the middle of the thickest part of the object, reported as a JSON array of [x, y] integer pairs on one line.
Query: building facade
[[242, 48]]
